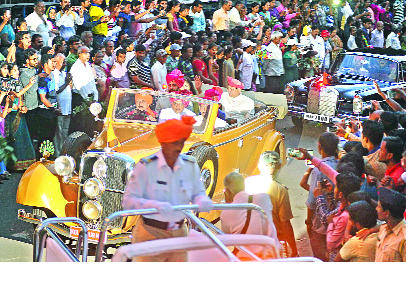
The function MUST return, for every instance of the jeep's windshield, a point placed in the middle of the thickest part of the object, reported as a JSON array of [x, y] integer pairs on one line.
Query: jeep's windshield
[[368, 66], [151, 107]]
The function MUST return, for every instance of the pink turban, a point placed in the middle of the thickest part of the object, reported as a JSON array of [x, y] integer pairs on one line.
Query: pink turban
[[177, 76], [277, 26], [235, 83], [211, 93], [182, 92]]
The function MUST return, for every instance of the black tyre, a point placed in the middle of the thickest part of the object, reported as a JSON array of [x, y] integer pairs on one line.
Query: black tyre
[[208, 162], [298, 122], [74, 146]]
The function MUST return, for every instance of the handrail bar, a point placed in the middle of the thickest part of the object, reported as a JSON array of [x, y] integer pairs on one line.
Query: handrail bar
[[194, 207], [37, 252]]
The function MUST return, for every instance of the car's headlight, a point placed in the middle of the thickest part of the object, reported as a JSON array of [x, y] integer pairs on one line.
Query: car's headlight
[[289, 91], [92, 209], [95, 108], [64, 165], [93, 188], [357, 104], [99, 168]]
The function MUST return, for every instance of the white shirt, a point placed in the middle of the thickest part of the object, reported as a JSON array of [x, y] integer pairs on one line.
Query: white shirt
[[235, 19], [234, 220], [159, 76], [108, 59], [377, 38], [318, 45], [393, 41], [36, 25], [82, 74], [218, 124], [128, 56], [351, 43], [232, 106], [246, 69], [153, 179], [69, 20], [168, 113]]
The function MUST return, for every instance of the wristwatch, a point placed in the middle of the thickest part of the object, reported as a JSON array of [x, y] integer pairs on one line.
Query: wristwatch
[[308, 222]]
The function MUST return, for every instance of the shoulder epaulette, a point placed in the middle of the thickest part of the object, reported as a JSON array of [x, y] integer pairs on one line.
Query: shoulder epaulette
[[188, 158], [148, 159]]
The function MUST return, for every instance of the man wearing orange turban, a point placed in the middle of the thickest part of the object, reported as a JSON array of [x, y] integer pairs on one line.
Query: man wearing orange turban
[[162, 180], [143, 111]]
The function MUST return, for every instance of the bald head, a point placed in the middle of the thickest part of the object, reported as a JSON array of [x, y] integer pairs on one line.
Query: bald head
[[234, 182]]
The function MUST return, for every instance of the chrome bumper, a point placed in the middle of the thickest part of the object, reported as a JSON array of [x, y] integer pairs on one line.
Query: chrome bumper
[[64, 230]]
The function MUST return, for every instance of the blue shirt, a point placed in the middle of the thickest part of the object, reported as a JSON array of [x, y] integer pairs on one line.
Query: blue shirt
[[10, 32], [316, 176]]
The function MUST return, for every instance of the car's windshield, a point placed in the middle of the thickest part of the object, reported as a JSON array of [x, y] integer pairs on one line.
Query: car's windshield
[[150, 107], [368, 66]]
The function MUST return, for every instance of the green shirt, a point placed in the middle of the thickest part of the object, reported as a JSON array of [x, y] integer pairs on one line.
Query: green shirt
[[70, 60]]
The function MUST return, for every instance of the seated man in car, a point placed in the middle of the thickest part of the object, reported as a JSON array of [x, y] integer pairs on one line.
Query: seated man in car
[[142, 111], [236, 106], [177, 109]]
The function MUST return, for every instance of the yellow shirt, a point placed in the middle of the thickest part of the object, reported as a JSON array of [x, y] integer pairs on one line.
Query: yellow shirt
[[221, 19], [96, 13], [391, 243], [357, 250]]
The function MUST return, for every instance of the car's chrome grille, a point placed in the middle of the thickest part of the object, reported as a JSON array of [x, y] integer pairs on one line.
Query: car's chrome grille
[[322, 100], [116, 174]]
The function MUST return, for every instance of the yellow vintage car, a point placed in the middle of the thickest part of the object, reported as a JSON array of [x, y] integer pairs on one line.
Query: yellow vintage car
[[88, 179]]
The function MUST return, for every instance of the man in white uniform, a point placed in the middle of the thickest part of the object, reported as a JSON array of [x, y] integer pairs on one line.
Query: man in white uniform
[[234, 220], [235, 105], [246, 68], [162, 180]]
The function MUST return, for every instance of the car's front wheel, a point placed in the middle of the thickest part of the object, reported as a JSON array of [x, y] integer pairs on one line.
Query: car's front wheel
[[74, 146], [208, 162]]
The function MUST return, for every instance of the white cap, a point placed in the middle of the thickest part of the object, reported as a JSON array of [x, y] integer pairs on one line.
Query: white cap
[[247, 43], [292, 42], [185, 35]]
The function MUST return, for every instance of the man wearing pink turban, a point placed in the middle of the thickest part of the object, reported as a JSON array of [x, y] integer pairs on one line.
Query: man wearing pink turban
[[177, 109], [175, 80], [235, 105]]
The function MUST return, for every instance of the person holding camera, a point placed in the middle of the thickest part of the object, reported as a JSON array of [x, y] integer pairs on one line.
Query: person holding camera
[[68, 18]]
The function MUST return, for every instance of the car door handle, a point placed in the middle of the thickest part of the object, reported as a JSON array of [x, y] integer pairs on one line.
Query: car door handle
[[258, 137]]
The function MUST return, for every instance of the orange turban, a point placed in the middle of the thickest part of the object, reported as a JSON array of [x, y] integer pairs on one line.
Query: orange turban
[[148, 99], [174, 130]]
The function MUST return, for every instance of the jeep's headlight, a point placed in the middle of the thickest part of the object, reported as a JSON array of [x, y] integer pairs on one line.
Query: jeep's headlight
[[92, 209], [64, 165], [99, 169], [95, 108], [357, 104], [289, 92], [93, 188]]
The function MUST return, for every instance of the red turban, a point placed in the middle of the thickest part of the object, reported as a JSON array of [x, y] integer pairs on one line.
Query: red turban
[[174, 130], [235, 83], [177, 76], [325, 33]]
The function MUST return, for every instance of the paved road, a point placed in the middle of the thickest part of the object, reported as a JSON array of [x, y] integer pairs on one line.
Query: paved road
[[16, 235]]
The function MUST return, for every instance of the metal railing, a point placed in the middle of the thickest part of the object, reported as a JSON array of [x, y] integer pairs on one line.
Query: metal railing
[[40, 237], [186, 209]]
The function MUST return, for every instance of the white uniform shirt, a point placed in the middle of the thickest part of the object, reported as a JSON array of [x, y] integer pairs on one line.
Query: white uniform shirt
[[153, 179], [168, 113], [318, 45], [234, 220], [232, 106], [393, 41]]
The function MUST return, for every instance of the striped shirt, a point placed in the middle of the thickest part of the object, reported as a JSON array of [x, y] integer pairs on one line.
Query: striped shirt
[[186, 67], [136, 68], [399, 7]]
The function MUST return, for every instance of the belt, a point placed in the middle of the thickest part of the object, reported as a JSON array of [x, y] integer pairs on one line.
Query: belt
[[163, 225]]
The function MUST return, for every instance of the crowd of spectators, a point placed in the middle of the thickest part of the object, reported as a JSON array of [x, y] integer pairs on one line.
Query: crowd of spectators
[[58, 59]]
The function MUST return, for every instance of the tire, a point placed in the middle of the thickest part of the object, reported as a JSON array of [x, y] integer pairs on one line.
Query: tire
[[208, 162], [74, 146], [298, 122]]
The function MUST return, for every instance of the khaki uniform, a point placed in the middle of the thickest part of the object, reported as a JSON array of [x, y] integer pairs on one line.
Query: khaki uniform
[[391, 246]]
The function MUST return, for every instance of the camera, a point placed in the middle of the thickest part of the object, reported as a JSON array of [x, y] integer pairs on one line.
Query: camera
[[332, 129], [5, 85], [323, 183]]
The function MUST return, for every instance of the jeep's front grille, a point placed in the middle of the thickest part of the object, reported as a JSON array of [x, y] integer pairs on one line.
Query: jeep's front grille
[[118, 166]]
